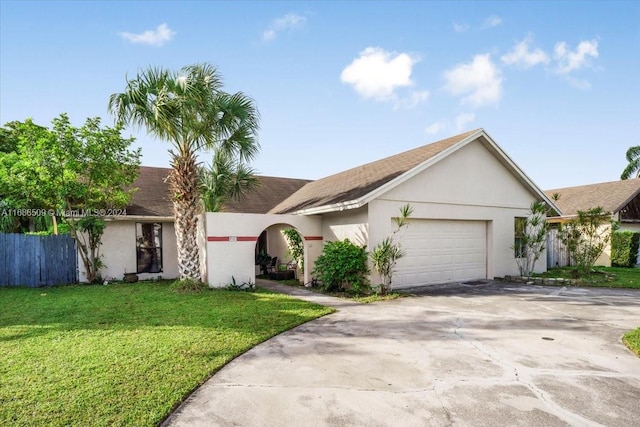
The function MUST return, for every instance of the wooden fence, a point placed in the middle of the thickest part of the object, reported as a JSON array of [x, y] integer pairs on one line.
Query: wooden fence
[[557, 253], [34, 261]]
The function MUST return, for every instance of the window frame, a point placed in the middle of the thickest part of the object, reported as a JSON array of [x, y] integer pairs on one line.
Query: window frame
[[519, 231], [155, 250]]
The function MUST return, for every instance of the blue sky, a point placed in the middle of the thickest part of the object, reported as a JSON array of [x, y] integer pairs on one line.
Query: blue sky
[[339, 84]]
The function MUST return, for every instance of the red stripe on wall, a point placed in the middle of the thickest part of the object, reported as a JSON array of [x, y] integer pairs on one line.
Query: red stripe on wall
[[232, 238], [218, 238], [312, 237], [247, 239]]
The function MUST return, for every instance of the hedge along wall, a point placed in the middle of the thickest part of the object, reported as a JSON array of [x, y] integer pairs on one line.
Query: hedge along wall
[[624, 248]]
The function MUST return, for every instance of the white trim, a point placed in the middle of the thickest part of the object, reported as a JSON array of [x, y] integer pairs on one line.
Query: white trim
[[140, 218]]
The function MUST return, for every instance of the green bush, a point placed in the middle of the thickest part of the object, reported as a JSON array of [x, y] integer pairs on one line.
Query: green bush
[[342, 266], [624, 248]]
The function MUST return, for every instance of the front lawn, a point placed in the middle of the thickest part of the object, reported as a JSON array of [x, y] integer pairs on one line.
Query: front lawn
[[124, 354], [632, 340], [610, 277]]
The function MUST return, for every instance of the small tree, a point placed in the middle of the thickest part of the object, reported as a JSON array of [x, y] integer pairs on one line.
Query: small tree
[[385, 256], [296, 247], [586, 237], [342, 266], [532, 238], [82, 171], [88, 231]]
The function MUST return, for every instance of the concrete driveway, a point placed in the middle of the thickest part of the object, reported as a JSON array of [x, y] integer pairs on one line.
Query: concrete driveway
[[477, 354]]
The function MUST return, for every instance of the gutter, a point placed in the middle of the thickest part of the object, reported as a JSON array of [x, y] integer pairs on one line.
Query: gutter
[[336, 207], [140, 218]]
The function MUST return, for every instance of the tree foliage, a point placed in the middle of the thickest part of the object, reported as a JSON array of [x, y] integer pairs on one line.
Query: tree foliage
[[386, 254], [342, 266], [189, 109], [587, 236], [532, 238], [633, 166], [624, 248], [70, 173], [227, 178], [295, 247]]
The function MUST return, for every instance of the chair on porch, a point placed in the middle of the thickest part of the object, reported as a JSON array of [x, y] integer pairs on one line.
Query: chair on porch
[[273, 266]]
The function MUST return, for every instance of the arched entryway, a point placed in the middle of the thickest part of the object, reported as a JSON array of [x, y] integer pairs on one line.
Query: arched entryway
[[279, 253], [230, 242]]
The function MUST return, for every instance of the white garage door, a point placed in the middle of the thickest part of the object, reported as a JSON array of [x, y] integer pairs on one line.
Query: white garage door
[[440, 251]]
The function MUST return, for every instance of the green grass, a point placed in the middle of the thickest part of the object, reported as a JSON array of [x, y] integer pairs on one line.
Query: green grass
[[610, 277], [124, 354], [632, 340]]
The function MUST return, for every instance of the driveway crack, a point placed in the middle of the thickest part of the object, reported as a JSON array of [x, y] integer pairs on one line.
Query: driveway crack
[[521, 377]]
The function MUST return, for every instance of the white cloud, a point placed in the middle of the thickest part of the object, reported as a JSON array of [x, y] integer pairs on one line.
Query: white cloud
[[290, 21], [377, 73], [578, 83], [522, 55], [460, 28], [436, 127], [492, 21], [569, 61], [480, 81], [412, 101], [462, 120], [157, 37]]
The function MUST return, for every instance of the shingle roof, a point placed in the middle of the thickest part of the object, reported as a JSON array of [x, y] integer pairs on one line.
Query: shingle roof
[[360, 181], [270, 191], [611, 196], [154, 199]]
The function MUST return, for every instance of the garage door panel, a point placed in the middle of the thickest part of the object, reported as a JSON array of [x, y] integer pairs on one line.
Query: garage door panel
[[440, 251]]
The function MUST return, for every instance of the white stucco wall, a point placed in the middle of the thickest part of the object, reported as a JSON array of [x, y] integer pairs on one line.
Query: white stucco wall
[[118, 251], [470, 184], [277, 243], [231, 240], [352, 224]]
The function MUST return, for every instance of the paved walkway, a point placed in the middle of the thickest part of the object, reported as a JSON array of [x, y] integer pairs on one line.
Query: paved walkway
[[487, 354]]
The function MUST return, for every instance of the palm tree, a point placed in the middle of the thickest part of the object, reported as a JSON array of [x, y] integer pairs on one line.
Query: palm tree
[[225, 179], [189, 109], [633, 168]]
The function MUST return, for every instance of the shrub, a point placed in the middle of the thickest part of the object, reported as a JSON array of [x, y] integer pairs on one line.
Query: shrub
[[586, 237], [244, 286], [624, 248], [342, 266]]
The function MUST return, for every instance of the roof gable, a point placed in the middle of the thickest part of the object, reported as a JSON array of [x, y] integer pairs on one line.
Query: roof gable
[[355, 187], [357, 182], [611, 196]]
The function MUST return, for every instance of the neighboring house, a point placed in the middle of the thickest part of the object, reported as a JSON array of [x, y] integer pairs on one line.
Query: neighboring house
[[620, 198], [466, 194]]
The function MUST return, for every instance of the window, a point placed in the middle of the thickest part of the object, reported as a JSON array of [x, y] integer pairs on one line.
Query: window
[[149, 247], [518, 237]]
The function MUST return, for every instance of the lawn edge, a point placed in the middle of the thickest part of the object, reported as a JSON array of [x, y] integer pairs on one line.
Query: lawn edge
[[204, 381]]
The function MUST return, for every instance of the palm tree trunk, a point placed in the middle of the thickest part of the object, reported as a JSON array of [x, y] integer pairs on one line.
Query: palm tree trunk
[[186, 205]]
